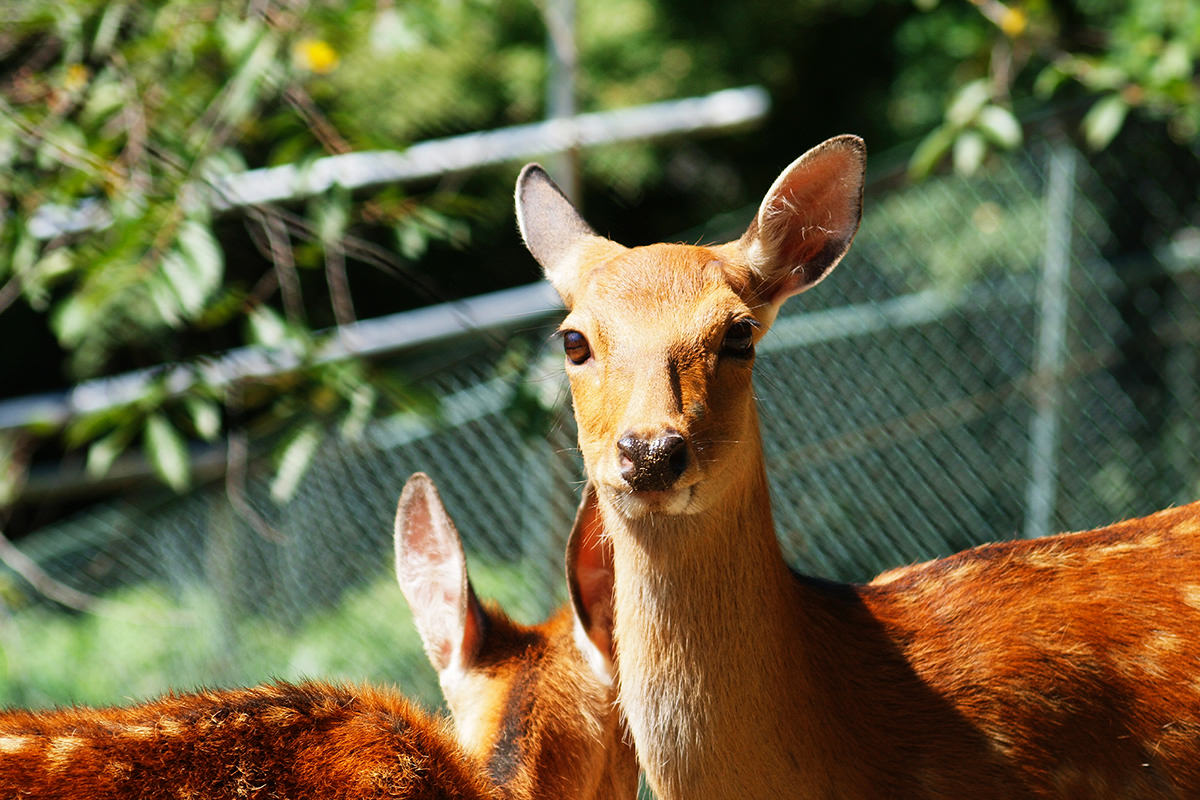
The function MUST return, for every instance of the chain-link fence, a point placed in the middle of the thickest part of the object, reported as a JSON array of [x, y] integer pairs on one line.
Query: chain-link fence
[[980, 366]]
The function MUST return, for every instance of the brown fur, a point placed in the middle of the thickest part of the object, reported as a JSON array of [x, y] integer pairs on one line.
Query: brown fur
[[310, 740], [1067, 667]]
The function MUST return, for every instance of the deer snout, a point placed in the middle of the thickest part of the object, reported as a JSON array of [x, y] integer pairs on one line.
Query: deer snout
[[652, 464]]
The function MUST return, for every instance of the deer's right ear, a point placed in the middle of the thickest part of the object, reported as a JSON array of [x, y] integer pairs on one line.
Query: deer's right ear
[[590, 580], [807, 219], [432, 571], [555, 234]]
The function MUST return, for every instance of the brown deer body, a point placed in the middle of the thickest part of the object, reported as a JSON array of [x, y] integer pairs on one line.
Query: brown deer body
[[1067, 667], [533, 711]]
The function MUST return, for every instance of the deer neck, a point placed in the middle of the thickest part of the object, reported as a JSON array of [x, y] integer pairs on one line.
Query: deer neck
[[704, 617]]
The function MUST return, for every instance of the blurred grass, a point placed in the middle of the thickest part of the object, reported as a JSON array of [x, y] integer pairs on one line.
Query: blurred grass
[[145, 639]]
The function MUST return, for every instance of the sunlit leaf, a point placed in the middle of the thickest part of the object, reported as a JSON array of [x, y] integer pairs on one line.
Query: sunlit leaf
[[242, 91], [1103, 121], [162, 293], [332, 213], [103, 452], [1048, 81], [206, 416], [930, 151], [184, 283], [294, 462], [73, 318], [411, 240], [1000, 126], [63, 146], [968, 102], [86, 427], [107, 96], [1174, 64], [11, 477], [1102, 76], [362, 401], [267, 327], [196, 268], [50, 268], [237, 35], [108, 28], [969, 150], [167, 452]]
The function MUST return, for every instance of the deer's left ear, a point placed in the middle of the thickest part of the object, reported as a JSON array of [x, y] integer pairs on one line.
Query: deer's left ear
[[807, 220], [431, 568], [590, 580], [556, 235]]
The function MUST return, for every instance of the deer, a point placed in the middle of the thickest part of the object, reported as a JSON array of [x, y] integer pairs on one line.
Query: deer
[[1061, 667], [532, 710]]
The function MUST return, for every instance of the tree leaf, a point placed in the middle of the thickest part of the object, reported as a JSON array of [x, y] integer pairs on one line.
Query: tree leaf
[[1103, 121], [103, 452], [1048, 81], [11, 470], [267, 327], [200, 247], [332, 214], [1174, 64], [73, 318], [362, 401], [968, 102], [206, 416], [107, 29], [194, 270], [1000, 126], [167, 452], [969, 149], [294, 462], [930, 151]]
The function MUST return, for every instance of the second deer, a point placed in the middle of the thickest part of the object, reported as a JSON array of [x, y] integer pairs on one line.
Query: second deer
[[1067, 667], [532, 708]]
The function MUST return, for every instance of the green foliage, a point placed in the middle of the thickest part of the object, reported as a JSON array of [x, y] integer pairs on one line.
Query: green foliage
[[1116, 58], [117, 119]]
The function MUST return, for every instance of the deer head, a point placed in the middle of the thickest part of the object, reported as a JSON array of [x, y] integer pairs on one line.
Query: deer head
[[659, 340]]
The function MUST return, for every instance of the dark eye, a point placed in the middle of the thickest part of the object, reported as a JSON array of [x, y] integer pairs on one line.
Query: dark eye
[[575, 345], [739, 339]]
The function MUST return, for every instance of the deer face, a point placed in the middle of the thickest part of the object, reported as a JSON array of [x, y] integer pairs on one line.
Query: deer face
[[659, 348]]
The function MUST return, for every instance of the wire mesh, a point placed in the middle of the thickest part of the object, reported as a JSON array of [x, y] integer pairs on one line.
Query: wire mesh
[[897, 402]]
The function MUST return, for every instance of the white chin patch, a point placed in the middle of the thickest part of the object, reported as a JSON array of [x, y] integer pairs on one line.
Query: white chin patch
[[640, 504]]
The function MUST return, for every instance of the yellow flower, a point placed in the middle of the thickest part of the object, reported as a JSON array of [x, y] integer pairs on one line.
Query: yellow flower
[[1014, 22], [315, 55], [76, 77]]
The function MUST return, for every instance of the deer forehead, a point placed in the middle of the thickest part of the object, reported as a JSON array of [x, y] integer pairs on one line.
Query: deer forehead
[[660, 296]]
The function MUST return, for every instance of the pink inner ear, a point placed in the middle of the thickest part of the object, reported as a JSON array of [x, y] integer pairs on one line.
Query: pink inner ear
[[809, 217], [431, 570]]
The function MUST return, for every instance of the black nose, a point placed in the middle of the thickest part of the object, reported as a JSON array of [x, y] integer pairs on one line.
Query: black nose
[[652, 464]]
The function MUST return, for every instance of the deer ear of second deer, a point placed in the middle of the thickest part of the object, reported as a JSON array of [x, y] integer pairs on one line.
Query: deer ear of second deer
[[535, 703], [1065, 667]]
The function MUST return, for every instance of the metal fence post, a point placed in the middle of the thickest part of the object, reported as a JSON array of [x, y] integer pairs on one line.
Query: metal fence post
[[1050, 342], [563, 58]]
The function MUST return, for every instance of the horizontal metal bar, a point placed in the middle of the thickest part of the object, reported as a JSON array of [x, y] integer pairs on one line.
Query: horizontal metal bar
[[723, 110], [373, 337]]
